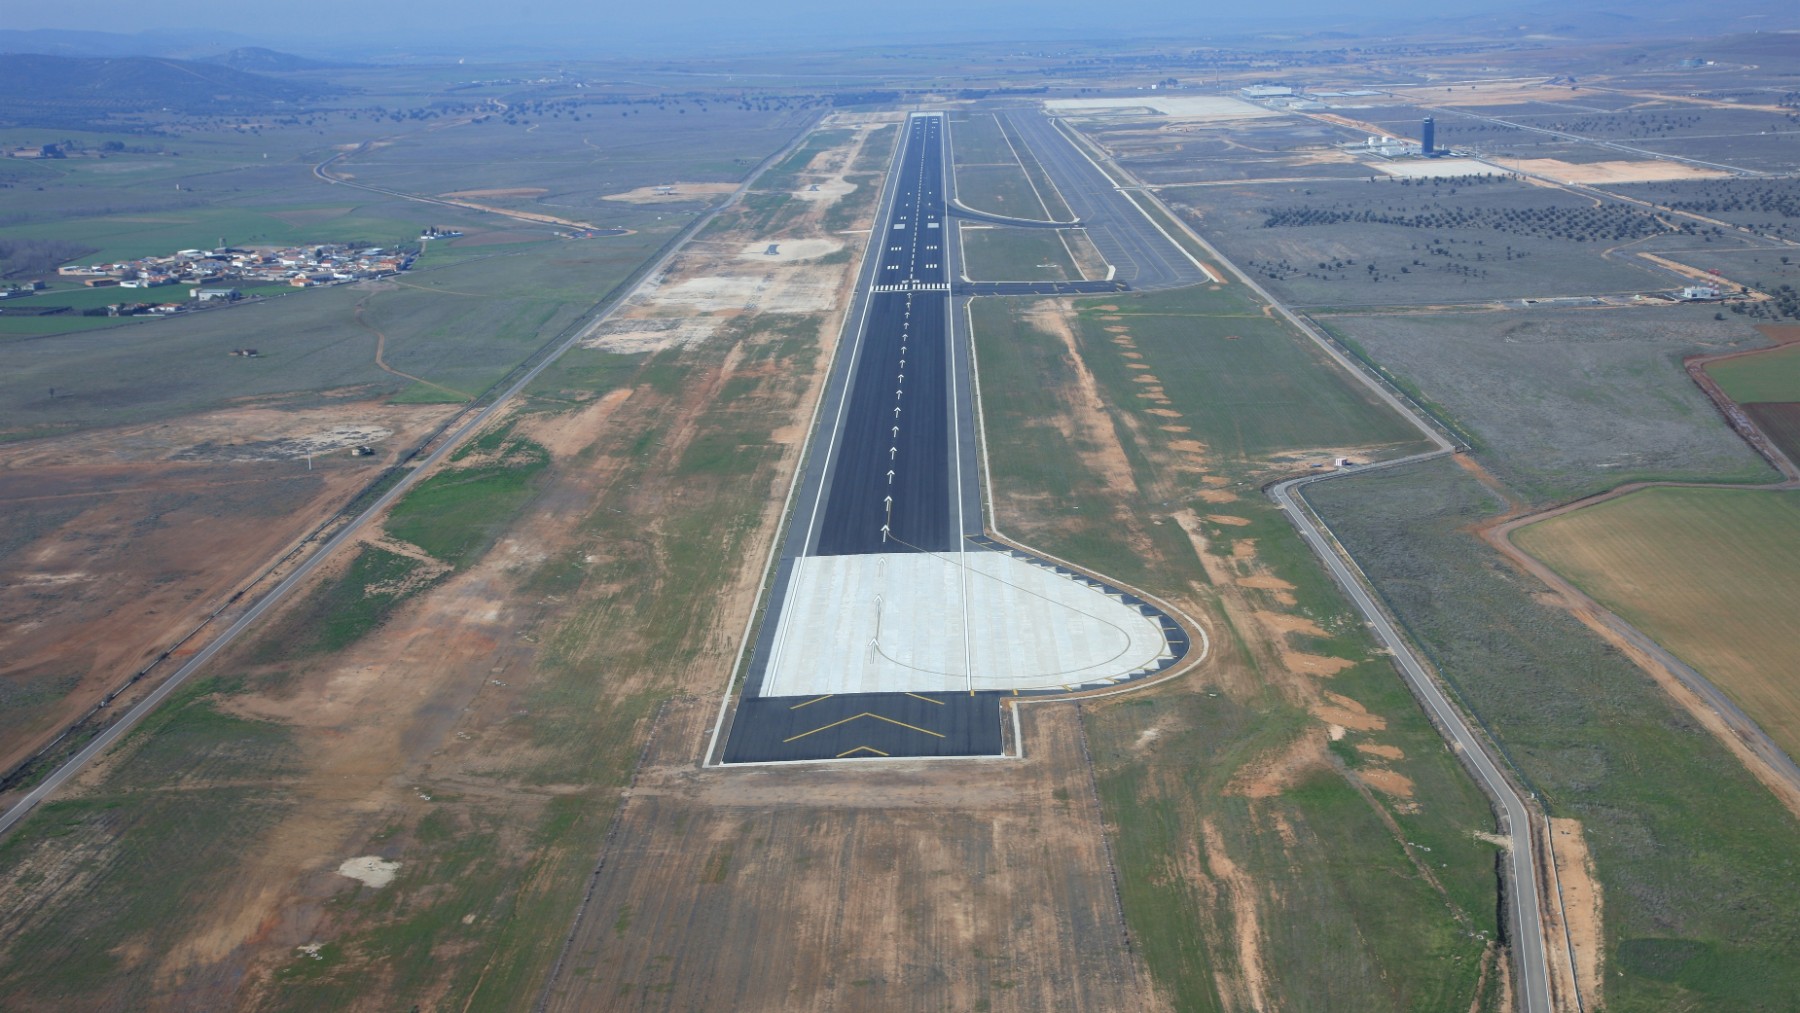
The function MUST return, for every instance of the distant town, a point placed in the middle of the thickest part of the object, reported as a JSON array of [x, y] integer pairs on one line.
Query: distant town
[[211, 272]]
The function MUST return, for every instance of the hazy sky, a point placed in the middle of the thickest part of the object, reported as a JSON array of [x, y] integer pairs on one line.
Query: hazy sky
[[611, 24]]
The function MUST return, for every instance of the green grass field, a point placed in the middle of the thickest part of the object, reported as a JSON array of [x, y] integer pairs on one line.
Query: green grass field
[[1708, 574], [1769, 376], [999, 189], [977, 139], [1001, 254]]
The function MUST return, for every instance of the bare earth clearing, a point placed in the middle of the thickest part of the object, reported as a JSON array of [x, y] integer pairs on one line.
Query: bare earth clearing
[[131, 537], [976, 885]]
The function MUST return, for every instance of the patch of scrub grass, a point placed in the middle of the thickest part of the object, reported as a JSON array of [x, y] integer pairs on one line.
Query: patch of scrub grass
[[341, 611], [456, 514], [160, 850], [1251, 383], [1344, 910]]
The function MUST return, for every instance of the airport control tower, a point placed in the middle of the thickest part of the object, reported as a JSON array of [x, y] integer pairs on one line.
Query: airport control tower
[[1428, 138]]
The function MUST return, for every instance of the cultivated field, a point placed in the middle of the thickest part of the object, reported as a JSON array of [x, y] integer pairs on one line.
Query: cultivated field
[[1708, 573], [1767, 376]]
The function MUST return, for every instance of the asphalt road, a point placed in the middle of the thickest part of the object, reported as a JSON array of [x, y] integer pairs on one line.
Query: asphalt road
[[889, 464], [1515, 817], [280, 591]]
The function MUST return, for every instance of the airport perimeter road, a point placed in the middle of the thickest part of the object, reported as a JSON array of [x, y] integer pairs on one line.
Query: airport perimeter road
[[1130, 241], [887, 479], [1528, 939], [1516, 817], [280, 591]]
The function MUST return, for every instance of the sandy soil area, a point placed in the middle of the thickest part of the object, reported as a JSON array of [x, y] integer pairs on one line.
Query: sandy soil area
[[514, 191], [1583, 905], [1427, 168], [1188, 107], [714, 287], [1651, 171]]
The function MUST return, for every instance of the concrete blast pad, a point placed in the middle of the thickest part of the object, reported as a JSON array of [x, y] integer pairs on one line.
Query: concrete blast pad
[[930, 622]]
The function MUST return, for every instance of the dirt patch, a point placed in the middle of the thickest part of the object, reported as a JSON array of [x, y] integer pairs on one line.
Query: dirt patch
[[134, 536], [1268, 776], [1341, 710], [1241, 894], [1236, 522], [513, 191], [1608, 172], [1320, 665], [1090, 428], [671, 193], [370, 870], [1280, 623], [1386, 781], [1582, 907], [1385, 752], [788, 250]]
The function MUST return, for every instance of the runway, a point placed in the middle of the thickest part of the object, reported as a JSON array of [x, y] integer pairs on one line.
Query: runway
[[887, 592]]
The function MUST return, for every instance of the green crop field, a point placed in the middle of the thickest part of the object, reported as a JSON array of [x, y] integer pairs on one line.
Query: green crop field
[[1769, 376], [1707, 573]]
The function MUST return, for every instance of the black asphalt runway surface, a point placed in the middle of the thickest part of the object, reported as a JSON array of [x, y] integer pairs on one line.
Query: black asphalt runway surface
[[890, 472], [851, 725]]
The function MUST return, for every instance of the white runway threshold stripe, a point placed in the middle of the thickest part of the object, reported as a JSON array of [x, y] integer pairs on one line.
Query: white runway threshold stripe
[[895, 622]]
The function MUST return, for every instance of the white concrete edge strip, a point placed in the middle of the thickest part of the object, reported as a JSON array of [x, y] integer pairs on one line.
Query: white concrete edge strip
[[812, 426]]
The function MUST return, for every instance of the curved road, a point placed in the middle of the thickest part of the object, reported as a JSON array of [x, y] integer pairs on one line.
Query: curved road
[[281, 590], [1515, 815]]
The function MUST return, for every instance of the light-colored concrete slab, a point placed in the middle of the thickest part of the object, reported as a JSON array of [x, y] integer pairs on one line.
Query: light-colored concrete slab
[[933, 622]]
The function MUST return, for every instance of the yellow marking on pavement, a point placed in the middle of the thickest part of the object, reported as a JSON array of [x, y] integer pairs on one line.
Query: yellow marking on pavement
[[809, 703], [862, 749], [927, 699], [856, 717]]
